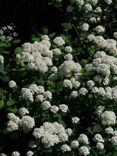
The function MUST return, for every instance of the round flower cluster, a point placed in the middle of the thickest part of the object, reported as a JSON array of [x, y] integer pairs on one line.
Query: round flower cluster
[[7, 32], [51, 134], [26, 122]]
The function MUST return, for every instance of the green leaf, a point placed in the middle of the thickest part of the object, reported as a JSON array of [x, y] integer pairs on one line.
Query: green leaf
[[18, 50], [11, 102], [1, 104], [67, 26], [12, 110], [17, 41]]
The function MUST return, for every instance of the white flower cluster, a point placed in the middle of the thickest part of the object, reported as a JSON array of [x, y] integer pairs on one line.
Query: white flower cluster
[[37, 55], [51, 134], [110, 45], [1, 59], [26, 122], [12, 84], [7, 32], [69, 67]]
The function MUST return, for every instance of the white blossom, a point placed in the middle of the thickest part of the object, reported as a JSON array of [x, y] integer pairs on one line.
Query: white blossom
[[75, 120], [100, 146], [15, 153], [65, 148], [59, 41], [12, 84], [23, 111], [114, 140], [1, 59], [46, 105], [108, 118], [74, 144], [83, 150], [27, 123], [83, 139], [98, 138], [63, 108]]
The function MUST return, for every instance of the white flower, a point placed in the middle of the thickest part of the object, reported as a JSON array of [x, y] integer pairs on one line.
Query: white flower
[[88, 7], [100, 146], [68, 57], [80, 2], [3, 154], [115, 35], [108, 1], [12, 84], [65, 148], [46, 105], [93, 20], [109, 130], [59, 41], [114, 140], [102, 91], [108, 118], [83, 91], [39, 98], [45, 37], [74, 144], [41, 90], [91, 37], [75, 120], [115, 133], [90, 84], [13, 117], [46, 42], [1, 59], [47, 95], [27, 123], [15, 153], [68, 49], [69, 131], [98, 138], [68, 67], [33, 88], [38, 132], [12, 126], [99, 109], [63, 108], [27, 94], [95, 90], [98, 10], [83, 139], [54, 109], [74, 94], [29, 153], [83, 150], [23, 111], [49, 140], [63, 137], [67, 83], [56, 51], [99, 29], [85, 27], [54, 69]]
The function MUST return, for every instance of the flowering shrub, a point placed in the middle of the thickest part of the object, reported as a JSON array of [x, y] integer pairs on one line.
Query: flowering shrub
[[54, 100]]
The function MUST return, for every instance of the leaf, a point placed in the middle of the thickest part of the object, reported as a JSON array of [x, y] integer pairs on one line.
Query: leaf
[[12, 110], [18, 50], [67, 26], [17, 41], [10, 102], [1, 104]]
